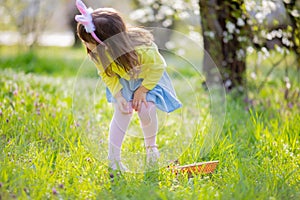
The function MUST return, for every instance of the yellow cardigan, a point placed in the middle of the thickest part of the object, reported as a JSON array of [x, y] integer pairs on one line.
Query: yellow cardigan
[[152, 68]]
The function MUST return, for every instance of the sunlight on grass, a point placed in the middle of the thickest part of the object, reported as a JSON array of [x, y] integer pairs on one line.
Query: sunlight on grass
[[51, 139]]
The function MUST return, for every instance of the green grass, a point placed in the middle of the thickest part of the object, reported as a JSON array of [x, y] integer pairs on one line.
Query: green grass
[[50, 134], [52, 61]]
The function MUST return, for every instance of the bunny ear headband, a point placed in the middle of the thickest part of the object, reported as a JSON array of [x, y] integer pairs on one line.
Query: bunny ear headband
[[86, 20]]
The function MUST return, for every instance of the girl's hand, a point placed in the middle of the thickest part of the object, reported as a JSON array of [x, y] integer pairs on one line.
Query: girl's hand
[[122, 103], [139, 97]]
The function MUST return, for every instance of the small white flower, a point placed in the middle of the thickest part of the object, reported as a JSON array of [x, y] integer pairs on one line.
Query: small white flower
[[210, 34], [259, 17], [279, 49], [137, 14], [253, 75], [150, 18], [178, 5], [242, 38], [250, 5], [159, 16], [240, 54], [195, 36], [265, 51], [230, 27], [184, 15], [146, 2], [269, 36], [287, 42], [240, 22], [167, 23], [278, 33], [295, 13], [269, 5], [166, 10], [250, 49], [228, 83]]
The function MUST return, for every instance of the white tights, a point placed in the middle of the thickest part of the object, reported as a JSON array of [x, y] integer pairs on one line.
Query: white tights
[[119, 125]]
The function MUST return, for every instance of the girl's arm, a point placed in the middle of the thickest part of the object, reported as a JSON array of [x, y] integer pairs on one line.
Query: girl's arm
[[115, 87], [153, 65]]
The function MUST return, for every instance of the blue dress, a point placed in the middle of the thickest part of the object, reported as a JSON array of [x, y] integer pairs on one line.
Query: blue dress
[[163, 94]]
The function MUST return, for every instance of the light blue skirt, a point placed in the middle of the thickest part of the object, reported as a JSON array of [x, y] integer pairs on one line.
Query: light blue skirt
[[163, 94]]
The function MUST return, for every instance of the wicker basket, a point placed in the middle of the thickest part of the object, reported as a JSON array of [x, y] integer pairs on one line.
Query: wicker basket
[[196, 168]]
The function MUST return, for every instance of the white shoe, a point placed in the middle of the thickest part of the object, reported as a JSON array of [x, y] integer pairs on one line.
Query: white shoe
[[118, 166], [152, 155]]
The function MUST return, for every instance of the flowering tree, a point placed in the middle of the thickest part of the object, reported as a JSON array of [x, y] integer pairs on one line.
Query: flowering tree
[[229, 27], [163, 13], [28, 17], [225, 34], [294, 14]]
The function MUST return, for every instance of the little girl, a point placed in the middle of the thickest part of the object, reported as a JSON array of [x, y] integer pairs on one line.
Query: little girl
[[133, 70]]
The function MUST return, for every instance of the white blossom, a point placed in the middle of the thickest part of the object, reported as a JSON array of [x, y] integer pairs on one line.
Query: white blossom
[[260, 17], [230, 26], [178, 5], [295, 13], [269, 36], [269, 6], [278, 33], [196, 12], [155, 6], [150, 18], [240, 54], [167, 23], [146, 2], [240, 22], [250, 5], [253, 75], [228, 83], [159, 16], [195, 36], [242, 38], [137, 14], [286, 41], [279, 49], [166, 10], [183, 15], [210, 34], [227, 37], [250, 49], [265, 52]]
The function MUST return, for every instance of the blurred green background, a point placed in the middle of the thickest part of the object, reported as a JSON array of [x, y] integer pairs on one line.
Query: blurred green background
[[54, 115]]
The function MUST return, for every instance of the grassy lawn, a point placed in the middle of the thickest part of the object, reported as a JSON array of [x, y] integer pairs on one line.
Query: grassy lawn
[[54, 127]]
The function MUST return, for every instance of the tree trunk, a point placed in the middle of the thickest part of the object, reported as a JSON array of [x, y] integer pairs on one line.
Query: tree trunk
[[295, 29], [221, 43]]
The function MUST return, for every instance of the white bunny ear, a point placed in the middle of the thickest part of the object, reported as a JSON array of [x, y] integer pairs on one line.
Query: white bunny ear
[[81, 7], [81, 19], [86, 20]]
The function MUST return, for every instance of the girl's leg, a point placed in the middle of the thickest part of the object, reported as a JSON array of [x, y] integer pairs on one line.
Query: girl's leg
[[148, 119], [118, 127]]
